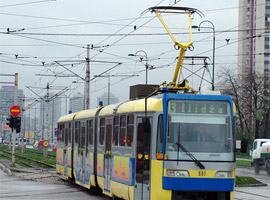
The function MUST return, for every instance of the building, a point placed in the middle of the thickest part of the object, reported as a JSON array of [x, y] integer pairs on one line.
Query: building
[[6, 102], [7, 99], [76, 103], [253, 58], [108, 99], [254, 37]]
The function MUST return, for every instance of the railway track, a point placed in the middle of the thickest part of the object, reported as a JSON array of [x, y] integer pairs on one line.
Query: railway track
[[39, 153], [8, 155]]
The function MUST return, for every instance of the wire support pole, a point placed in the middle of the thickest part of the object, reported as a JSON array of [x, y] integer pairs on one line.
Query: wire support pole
[[87, 79], [214, 49], [14, 130], [146, 63]]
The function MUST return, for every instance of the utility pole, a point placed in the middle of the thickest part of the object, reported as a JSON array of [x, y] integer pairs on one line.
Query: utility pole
[[52, 131], [23, 128], [14, 130], [87, 79], [35, 124], [45, 150], [47, 100]]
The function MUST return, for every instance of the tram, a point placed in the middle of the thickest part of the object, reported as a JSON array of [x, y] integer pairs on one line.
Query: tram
[[172, 144]]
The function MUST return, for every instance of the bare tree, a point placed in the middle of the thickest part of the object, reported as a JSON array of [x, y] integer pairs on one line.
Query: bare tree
[[251, 97]]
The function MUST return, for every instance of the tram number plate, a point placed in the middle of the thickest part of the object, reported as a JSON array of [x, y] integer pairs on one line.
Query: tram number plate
[[202, 173]]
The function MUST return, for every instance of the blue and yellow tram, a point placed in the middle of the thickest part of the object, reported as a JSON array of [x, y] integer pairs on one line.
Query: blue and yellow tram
[[117, 149], [169, 145]]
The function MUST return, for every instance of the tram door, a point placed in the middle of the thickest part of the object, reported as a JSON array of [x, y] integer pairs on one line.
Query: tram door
[[142, 178], [82, 151], [108, 147]]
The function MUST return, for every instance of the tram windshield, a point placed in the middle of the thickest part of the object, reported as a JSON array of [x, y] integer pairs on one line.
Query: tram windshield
[[203, 128]]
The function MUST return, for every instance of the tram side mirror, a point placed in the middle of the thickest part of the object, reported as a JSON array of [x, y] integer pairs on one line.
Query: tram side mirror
[[146, 125], [244, 145]]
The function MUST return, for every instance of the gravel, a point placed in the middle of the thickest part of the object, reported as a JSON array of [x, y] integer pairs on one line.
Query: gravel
[[49, 177]]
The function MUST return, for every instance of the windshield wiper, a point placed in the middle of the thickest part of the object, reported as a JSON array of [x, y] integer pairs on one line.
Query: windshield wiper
[[190, 155]]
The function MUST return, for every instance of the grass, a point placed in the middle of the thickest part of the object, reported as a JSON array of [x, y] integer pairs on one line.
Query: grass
[[19, 161], [243, 162], [243, 180], [243, 157]]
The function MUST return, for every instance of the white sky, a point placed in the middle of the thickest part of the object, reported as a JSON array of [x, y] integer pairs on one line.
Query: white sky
[[76, 17]]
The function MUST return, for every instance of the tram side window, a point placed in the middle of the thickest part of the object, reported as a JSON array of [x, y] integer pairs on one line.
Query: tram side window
[[108, 134], [63, 133], [130, 128], [66, 135], [115, 130], [122, 139], [59, 136], [102, 131], [82, 135], [77, 126], [159, 134], [58, 131], [69, 132], [87, 136], [91, 132]]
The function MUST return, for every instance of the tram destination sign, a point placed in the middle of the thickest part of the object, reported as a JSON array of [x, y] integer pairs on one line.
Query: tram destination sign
[[197, 107]]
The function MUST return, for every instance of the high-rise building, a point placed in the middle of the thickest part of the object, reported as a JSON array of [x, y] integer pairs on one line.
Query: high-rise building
[[254, 37], [7, 99], [108, 99], [76, 103], [6, 102]]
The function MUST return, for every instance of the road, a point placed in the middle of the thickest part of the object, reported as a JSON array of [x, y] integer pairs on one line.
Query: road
[[12, 187], [253, 193]]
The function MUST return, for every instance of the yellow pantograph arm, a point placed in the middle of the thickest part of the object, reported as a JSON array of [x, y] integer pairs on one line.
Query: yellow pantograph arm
[[177, 43], [179, 65]]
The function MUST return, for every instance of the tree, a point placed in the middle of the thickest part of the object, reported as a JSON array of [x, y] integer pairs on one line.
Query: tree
[[250, 93]]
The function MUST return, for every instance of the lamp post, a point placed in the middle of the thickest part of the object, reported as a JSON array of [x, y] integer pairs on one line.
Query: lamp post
[[214, 44], [146, 62]]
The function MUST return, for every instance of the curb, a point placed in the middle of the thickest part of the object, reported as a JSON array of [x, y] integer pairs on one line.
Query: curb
[[5, 169], [252, 185]]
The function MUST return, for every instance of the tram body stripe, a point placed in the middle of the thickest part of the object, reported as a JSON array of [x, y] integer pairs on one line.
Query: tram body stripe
[[198, 184]]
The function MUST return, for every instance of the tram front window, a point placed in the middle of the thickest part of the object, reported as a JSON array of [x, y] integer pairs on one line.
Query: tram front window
[[207, 136]]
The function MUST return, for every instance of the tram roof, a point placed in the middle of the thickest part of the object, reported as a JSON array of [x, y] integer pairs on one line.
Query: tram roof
[[87, 113], [153, 104], [67, 118]]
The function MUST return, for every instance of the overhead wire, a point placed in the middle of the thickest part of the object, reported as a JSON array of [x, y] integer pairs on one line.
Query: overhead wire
[[26, 3], [99, 51]]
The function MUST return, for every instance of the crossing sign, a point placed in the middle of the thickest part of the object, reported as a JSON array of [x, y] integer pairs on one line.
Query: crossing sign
[[15, 110]]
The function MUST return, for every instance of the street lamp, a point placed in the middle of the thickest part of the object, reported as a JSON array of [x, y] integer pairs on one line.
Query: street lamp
[[146, 62], [214, 43]]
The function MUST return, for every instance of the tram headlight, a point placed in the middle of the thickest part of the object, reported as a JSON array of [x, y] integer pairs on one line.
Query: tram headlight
[[223, 174], [178, 173]]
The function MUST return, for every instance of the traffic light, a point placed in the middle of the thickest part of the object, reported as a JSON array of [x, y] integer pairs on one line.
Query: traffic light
[[17, 124], [11, 121]]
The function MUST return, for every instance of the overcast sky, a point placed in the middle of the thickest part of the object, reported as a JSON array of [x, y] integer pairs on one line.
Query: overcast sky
[[42, 33]]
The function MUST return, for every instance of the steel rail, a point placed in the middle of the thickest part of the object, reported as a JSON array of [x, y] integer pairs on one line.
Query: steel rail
[[37, 161]]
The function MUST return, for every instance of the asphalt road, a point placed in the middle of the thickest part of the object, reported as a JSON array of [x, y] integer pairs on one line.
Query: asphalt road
[[253, 193], [12, 187]]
